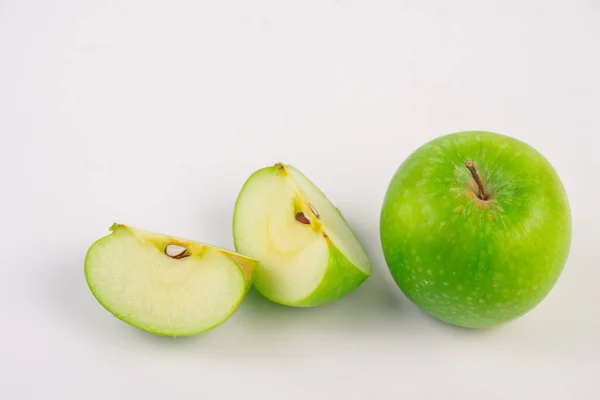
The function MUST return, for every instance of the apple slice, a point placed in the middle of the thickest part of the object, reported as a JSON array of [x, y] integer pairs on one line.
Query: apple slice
[[307, 253], [166, 285]]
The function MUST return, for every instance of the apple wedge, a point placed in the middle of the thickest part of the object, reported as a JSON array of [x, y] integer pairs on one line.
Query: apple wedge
[[166, 285], [308, 255]]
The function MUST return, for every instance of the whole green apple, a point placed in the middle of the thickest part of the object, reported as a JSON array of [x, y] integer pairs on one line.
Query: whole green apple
[[476, 228]]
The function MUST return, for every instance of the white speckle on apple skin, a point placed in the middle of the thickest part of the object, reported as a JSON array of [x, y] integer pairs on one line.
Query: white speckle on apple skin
[[503, 275]]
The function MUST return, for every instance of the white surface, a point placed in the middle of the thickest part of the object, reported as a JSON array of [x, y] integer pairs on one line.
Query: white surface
[[153, 113]]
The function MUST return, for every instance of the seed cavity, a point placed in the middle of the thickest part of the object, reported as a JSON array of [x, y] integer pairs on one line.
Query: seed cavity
[[300, 217], [314, 211], [176, 251]]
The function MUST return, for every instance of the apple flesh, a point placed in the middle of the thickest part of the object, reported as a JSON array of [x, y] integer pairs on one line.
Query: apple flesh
[[166, 285], [308, 255], [476, 228]]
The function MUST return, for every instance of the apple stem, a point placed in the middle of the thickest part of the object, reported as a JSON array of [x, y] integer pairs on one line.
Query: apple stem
[[471, 167]]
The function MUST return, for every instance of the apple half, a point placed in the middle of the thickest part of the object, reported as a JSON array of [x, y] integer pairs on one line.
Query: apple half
[[166, 285], [308, 254]]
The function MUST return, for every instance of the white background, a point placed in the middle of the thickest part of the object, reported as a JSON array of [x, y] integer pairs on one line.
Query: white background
[[153, 114]]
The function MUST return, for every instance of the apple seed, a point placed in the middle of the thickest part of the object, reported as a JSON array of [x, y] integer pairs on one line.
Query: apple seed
[[314, 210], [176, 251], [300, 217]]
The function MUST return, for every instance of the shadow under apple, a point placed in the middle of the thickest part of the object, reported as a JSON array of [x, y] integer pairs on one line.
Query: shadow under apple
[[366, 308], [259, 327]]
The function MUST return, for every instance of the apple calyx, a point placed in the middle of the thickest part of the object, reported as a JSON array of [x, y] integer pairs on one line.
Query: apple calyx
[[176, 251], [482, 195], [280, 166]]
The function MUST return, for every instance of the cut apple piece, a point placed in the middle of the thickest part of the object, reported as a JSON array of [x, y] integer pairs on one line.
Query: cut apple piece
[[307, 253], [166, 285]]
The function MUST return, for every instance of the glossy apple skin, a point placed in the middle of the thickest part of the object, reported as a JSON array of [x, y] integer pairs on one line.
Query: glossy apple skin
[[341, 278], [468, 262]]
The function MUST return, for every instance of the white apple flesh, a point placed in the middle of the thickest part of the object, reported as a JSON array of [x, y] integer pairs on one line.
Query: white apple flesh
[[308, 255], [166, 285]]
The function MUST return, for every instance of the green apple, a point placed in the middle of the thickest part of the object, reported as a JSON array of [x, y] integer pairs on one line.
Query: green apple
[[308, 255], [476, 228], [166, 285]]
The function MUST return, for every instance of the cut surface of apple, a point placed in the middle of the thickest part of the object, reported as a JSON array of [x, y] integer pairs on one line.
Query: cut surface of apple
[[166, 285], [308, 254]]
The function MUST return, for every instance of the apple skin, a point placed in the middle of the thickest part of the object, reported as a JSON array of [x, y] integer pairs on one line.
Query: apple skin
[[341, 278], [146, 238], [469, 262]]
